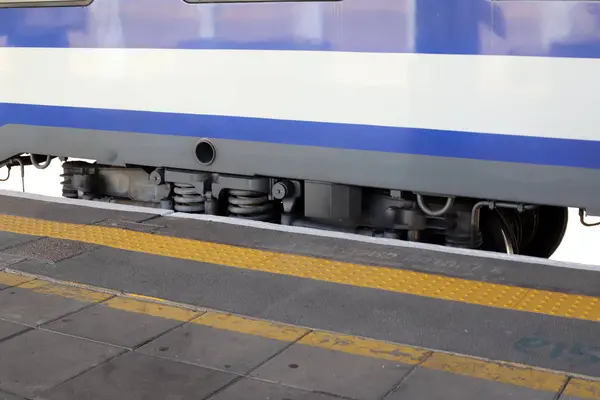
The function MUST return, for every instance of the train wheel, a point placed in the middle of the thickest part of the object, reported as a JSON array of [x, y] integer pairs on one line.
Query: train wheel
[[544, 230], [498, 233]]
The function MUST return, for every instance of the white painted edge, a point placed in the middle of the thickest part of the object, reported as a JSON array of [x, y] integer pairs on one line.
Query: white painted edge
[[384, 241], [300, 230], [85, 203]]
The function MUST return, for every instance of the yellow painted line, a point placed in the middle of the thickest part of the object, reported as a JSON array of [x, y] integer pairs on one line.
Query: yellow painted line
[[144, 297], [582, 389], [389, 279], [508, 373], [70, 292], [250, 326], [13, 279], [498, 372], [365, 347], [151, 309]]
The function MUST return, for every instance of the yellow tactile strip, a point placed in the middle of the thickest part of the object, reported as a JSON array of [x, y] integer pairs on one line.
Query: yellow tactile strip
[[502, 372], [390, 279]]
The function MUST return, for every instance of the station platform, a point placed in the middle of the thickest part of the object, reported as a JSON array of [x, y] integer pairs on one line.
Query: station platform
[[99, 301]]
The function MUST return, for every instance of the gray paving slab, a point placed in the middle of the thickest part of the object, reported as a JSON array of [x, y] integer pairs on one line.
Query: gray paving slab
[[64, 212], [135, 376], [31, 308], [109, 325], [6, 260], [450, 326], [591, 392], [194, 282], [8, 396], [456, 265], [334, 372], [8, 329], [253, 389], [493, 333], [39, 360], [9, 239], [440, 385], [49, 250], [214, 348]]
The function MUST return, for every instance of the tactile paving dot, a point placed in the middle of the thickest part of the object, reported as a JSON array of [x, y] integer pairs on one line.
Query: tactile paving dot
[[575, 306]]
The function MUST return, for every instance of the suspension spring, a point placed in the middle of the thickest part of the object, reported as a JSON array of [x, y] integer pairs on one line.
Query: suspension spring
[[250, 205], [67, 188], [187, 199]]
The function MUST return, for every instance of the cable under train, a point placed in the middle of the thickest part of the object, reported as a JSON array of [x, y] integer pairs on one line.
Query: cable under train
[[466, 123]]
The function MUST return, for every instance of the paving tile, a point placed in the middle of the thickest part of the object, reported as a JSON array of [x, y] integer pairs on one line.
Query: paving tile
[[8, 329], [110, 325], [50, 250], [8, 280], [246, 389], [8, 396], [135, 376], [214, 348], [9, 239], [38, 360], [581, 389], [6, 260], [333, 372], [36, 303], [441, 385]]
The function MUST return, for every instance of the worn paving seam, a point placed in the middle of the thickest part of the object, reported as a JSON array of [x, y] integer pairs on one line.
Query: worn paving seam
[[583, 389], [509, 373]]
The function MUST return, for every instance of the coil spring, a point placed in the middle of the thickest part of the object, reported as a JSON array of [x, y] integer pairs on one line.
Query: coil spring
[[67, 189], [187, 199], [250, 205]]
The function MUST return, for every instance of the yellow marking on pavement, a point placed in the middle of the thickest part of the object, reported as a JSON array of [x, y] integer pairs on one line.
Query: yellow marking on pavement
[[505, 373], [365, 347], [582, 389], [383, 278], [561, 304], [508, 373], [70, 292], [13, 279], [267, 329], [144, 297], [152, 309]]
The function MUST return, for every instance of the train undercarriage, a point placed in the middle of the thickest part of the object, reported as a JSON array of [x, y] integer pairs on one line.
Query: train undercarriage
[[533, 230]]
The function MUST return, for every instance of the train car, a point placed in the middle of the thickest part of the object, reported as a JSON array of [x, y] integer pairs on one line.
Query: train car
[[466, 123]]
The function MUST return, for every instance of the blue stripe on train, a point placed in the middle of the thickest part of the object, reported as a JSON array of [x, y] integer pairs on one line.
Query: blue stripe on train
[[429, 142]]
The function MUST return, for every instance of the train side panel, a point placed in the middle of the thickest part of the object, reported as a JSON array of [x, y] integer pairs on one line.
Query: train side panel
[[472, 98]]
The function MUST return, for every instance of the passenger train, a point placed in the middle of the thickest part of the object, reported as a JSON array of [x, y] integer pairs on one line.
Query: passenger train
[[465, 123]]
